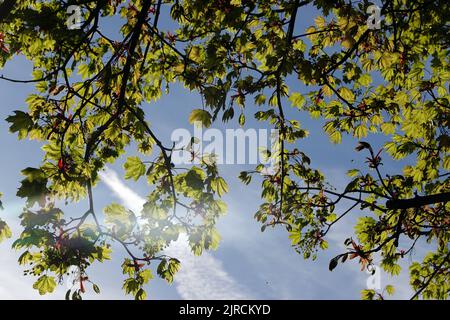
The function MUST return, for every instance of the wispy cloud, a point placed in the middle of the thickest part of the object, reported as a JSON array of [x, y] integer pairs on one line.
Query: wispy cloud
[[201, 277]]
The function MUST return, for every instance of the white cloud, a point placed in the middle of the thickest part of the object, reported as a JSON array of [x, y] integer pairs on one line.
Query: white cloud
[[201, 277]]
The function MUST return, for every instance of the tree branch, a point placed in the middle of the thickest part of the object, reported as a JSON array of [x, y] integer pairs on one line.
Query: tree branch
[[418, 201]]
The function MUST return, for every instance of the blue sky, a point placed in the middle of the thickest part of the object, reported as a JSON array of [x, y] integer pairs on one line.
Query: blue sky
[[248, 264]]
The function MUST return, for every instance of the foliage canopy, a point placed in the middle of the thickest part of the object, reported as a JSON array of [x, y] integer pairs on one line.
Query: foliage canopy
[[89, 106]]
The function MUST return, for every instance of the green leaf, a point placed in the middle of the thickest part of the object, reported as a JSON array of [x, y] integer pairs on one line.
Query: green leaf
[[146, 275], [195, 54], [365, 80], [84, 70], [390, 289], [361, 131], [295, 235], [134, 168], [353, 173], [140, 294], [121, 219], [245, 177], [202, 116], [299, 45], [212, 239], [336, 137], [242, 120], [96, 288], [168, 269], [34, 187], [367, 294], [20, 122], [352, 185], [45, 284], [194, 178], [131, 285], [333, 263], [297, 100], [5, 231], [260, 99], [387, 128], [219, 185], [347, 94]]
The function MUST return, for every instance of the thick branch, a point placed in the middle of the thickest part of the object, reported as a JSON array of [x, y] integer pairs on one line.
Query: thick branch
[[418, 201]]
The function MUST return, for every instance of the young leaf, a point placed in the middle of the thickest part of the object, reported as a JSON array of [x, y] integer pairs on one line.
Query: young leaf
[[202, 116], [134, 168]]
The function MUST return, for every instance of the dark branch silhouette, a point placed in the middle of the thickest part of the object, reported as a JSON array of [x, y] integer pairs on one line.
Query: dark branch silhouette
[[418, 201]]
